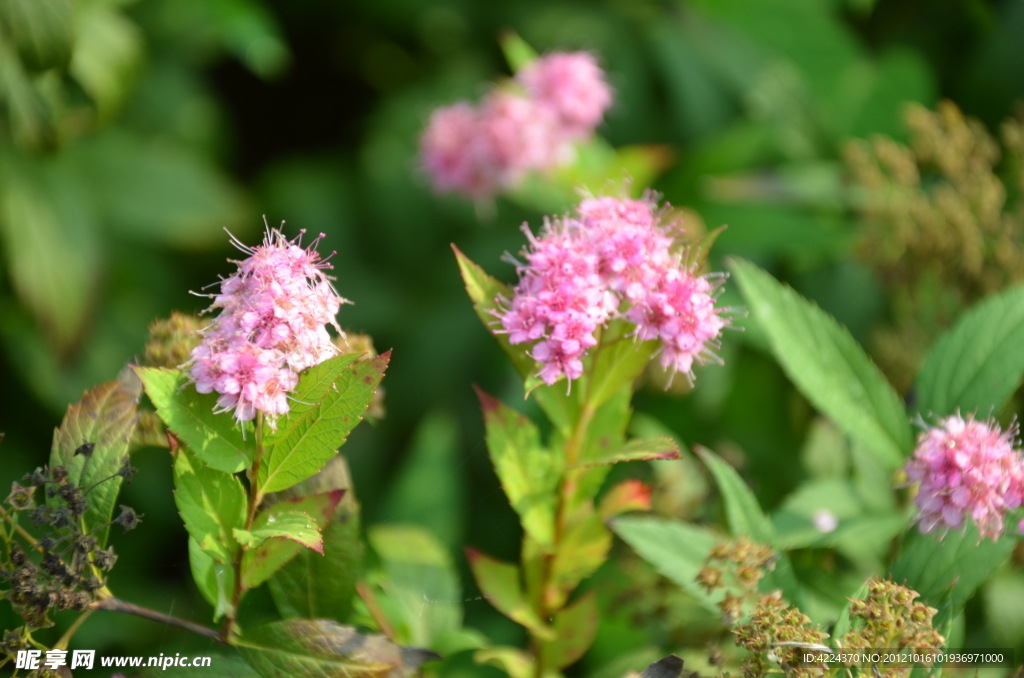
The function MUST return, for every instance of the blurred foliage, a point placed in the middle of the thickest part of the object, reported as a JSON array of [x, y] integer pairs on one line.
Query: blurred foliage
[[131, 133]]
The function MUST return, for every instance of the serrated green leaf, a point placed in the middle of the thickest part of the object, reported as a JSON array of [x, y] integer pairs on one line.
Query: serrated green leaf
[[978, 364], [105, 416], [642, 449], [947, 571], [216, 439], [617, 365], [325, 649], [827, 365], [314, 586], [583, 549], [746, 518], [278, 536], [499, 583], [576, 627], [294, 525], [420, 578], [676, 549], [212, 504], [216, 581], [327, 404], [528, 471]]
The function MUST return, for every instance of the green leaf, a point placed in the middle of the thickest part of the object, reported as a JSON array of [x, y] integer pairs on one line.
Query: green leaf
[[626, 496], [616, 366], [42, 31], [827, 365], [328, 402], [420, 578], [747, 519], [294, 525], [430, 487], [221, 666], [947, 571], [518, 53], [216, 581], [108, 51], [842, 625], [216, 439], [499, 583], [51, 243], [105, 416], [677, 550], [576, 628], [513, 661], [978, 364], [282, 531], [162, 192], [643, 449], [583, 549], [529, 472], [212, 504], [325, 649], [315, 586]]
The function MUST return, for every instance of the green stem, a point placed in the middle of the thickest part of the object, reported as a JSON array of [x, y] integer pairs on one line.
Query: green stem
[[255, 497], [62, 644], [18, 528]]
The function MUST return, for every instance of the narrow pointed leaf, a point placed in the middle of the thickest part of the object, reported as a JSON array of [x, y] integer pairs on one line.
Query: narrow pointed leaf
[[976, 366], [105, 416], [576, 627], [827, 365], [642, 449], [325, 649], [500, 585], [216, 439], [329, 401], [212, 505], [528, 471]]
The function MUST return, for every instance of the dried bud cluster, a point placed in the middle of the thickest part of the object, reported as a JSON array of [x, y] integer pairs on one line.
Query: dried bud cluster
[[613, 259], [888, 618], [59, 571], [476, 151], [938, 224], [776, 634], [172, 340], [274, 313], [967, 468]]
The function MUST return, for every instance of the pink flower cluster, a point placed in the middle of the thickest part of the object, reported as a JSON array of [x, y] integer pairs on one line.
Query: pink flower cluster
[[613, 259], [272, 324], [966, 468], [477, 151]]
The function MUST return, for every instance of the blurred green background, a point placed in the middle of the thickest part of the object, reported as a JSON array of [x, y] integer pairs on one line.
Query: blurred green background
[[133, 133]]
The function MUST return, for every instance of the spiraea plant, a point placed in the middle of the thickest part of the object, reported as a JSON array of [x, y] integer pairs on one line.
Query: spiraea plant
[[943, 223], [601, 293]]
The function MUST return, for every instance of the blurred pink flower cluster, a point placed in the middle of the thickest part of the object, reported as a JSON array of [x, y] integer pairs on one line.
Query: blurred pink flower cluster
[[967, 468], [477, 151], [272, 324], [613, 259]]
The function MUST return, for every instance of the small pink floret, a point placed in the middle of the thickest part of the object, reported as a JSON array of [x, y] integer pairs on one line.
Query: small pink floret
[[479, 150], [613, 259], [966, 468], [271, 325]]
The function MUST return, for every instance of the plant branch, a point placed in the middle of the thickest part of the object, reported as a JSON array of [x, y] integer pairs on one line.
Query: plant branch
[[19, 529], [117, 605], [62, 644]]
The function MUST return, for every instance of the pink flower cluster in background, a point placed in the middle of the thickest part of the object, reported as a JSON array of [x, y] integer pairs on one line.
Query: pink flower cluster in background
[[966, 468], [477, 151], [613, 259], [272, 324]]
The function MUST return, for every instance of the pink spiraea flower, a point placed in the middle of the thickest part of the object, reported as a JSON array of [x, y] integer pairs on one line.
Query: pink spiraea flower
[[272, 324], [966, 468], [613, 259], [572, 86], [528, 127]]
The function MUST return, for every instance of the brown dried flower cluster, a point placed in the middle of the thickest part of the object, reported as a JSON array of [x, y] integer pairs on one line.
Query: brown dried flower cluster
[[941, 224]]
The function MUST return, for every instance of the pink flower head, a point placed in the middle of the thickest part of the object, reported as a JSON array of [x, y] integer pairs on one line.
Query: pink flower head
[[272, 324], [572, 86], [614, 260], [966, 468], [478, 150]]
